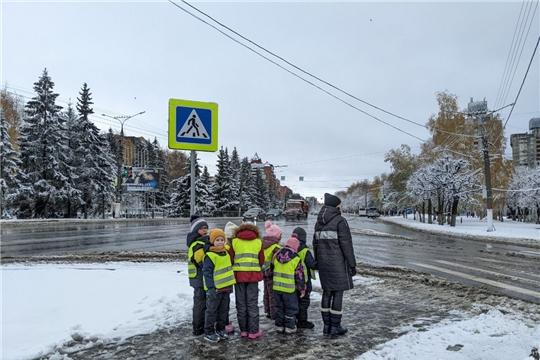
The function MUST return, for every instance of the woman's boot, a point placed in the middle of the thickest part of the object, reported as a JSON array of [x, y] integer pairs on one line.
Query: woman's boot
[[337, 329]]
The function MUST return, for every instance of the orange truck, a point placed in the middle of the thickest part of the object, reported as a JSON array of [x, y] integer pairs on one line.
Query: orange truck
[[296, 209]]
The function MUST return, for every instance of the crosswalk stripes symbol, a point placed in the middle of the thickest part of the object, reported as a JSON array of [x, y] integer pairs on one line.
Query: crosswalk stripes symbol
[[193, 128]]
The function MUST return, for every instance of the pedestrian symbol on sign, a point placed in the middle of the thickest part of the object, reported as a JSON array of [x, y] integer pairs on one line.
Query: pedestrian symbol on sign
[[193, 128]]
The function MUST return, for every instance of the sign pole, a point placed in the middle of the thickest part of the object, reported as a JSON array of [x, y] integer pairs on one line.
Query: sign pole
[[192, 201]]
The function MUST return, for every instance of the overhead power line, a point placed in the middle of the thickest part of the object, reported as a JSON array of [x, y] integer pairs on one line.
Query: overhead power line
[[515, 62], [294, 74], [522, 83]]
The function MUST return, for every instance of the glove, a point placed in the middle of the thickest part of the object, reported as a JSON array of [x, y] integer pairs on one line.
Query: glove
[[302, 293], [264, 268], [352, 270], [210, 291]]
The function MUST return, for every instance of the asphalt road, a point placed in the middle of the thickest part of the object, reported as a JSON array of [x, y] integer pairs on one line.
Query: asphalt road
[[509, 269]]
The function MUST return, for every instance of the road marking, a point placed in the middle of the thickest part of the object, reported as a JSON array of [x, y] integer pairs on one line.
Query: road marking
[[516, 278], [531, 252], [492, 260], [481, 280]]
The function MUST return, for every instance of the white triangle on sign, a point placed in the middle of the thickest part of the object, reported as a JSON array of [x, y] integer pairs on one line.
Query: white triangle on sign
[[193, 127]]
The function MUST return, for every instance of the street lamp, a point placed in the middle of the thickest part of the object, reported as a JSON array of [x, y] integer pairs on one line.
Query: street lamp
[[120, 159]]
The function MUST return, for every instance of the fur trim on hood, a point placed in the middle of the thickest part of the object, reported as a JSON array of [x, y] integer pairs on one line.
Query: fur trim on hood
[[246, 227]]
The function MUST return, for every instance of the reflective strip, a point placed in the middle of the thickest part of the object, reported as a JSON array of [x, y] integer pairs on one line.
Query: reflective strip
[[286, 276], [224, 281], [223, 271], [284, 285], [192, 270], [245, 265], [241, 256], [327, 234]]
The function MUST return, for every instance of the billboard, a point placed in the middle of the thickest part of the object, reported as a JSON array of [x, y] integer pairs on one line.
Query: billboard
[[141, 179]]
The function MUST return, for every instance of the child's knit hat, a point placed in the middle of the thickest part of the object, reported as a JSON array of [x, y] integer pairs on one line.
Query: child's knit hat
[[230, 230], [215, 233], [197, 223], [293, 242], [272, 230], [300, 234]]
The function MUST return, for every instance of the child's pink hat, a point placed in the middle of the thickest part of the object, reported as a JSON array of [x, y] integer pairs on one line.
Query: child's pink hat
[[293, 242], [272, 230]]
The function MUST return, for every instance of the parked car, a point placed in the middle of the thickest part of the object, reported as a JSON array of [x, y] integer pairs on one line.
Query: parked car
[[372, 214], [294, 214], [254, 214], [273, 214]]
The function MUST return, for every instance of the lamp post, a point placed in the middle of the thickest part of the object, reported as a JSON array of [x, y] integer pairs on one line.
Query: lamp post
[[120, 157]]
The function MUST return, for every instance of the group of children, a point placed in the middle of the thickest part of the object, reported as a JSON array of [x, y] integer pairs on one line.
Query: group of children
[[238, 257]]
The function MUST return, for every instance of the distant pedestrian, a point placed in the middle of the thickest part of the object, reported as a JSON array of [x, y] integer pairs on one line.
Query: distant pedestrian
[[310, 265], [196, 239], [334, 253], [248, 258], [218, 283], [288, 281], [271, 246]]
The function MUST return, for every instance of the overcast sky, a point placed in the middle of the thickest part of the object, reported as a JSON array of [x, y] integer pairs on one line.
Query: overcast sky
[[136, 56]]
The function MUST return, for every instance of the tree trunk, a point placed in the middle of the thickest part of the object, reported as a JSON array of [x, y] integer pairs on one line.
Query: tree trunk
[[454, 211], [430, 211]]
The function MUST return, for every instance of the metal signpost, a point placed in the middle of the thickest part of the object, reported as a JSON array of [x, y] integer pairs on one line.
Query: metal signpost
[[193, 125]]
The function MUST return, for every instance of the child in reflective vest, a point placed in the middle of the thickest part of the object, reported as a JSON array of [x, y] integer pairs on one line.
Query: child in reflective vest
[[310, 265], [271, 247], [218, 282], [196, 239], [248, 258], [230, 233], [288, 279]]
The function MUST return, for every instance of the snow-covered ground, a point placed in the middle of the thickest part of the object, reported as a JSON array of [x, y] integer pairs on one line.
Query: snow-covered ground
[[45, 305], [474, 227]]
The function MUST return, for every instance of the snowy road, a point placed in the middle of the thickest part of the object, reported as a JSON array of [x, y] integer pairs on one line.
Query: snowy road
[[506, 268]]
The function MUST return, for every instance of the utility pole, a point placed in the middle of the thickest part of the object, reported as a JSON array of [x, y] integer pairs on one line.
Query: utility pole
[[487, 172], [479, 110], [120, 157]]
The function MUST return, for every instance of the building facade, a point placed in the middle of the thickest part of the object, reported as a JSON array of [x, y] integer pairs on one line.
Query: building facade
[[526, 146], [269, 176]]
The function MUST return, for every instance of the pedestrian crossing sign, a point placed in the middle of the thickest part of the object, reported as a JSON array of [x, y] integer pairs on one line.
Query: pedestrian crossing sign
[[193, 125]]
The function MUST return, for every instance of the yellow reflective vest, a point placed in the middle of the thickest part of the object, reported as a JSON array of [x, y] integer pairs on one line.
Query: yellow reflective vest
[[223, 272], [268, 254], [192, 268], [302, 253], [284, 275], [246, 254]]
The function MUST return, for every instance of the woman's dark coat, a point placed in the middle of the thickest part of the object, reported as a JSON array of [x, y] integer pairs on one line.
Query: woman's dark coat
[[333, 249]]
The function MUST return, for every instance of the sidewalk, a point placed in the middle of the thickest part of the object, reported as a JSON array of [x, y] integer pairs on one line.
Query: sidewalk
[[519, 233]]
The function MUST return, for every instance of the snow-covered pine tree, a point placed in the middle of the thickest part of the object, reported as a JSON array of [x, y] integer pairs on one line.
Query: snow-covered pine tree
[[223, 196], [180, 204], [261, 192], [273, 201], [247, 185], [74, 162], [234, 166], [97, 172], [162, 197], [204, 193], [10, 171], [43, 147]]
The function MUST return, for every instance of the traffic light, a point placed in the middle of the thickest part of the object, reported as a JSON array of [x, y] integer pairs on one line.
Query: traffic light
[[384, 198], [125, 172], [130, 172]]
